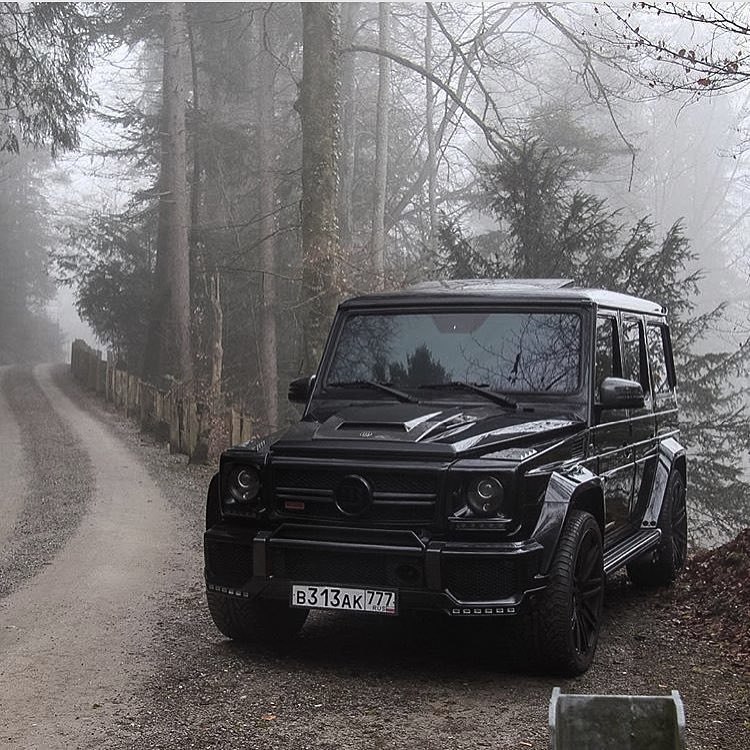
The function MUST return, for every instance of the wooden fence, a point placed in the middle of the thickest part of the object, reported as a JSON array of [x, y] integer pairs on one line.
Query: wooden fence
[[173, 415]]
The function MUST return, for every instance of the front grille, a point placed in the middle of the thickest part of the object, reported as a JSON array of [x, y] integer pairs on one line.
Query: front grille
[[347, 568], [397, 496], [480, 578], [228, 563]]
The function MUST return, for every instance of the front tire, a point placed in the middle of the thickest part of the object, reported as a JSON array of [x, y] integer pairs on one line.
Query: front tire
[[661, 567], [268, 622], [566, 618]]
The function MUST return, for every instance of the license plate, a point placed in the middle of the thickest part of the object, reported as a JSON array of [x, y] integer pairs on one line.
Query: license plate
[[351, 599]]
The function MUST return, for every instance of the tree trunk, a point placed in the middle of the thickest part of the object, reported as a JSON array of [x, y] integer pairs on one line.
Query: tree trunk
[[431, 143], [169, 349], [377, 241], [267, 179], [319, 109], [348, 132]]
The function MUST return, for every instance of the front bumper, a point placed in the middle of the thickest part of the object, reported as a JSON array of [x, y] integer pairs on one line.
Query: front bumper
[[457, 578]]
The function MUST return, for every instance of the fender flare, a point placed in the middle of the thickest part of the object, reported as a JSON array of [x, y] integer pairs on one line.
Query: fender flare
[[575, 488], [672, 457]]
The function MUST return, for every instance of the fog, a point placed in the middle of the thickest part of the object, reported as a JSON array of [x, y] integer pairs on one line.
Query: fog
[[156, 173]]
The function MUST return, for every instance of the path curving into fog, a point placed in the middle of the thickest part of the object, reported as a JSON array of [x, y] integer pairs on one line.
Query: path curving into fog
[[76, 639]]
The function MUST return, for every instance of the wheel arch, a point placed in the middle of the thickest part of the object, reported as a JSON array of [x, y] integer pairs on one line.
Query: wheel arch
[[672, 457], [591, 499], [579, 489], [680, 464]]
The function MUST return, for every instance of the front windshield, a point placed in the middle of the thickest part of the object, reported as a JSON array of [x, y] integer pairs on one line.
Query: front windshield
[[512, 352]]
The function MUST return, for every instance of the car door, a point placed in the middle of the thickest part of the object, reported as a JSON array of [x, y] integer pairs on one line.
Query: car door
[[664, 401], [662, 377], [636, 367], [611, 433]]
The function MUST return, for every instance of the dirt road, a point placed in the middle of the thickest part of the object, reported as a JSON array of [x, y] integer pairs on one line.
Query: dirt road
[[75, 642], [105, 640], [13, 469]]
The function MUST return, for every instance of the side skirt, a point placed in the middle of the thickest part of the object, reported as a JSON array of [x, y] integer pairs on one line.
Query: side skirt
[[630, 549]]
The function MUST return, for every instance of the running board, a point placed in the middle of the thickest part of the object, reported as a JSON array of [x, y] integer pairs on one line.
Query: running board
[[630, 549]]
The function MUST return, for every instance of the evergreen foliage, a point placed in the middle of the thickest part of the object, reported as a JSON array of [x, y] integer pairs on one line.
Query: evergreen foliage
[[458, 258], [546, 224], [551, 229], [44, 61], [26, 333], [110, 261]]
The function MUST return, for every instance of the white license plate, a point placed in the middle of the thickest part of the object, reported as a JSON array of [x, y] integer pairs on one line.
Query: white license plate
[[336, 597]]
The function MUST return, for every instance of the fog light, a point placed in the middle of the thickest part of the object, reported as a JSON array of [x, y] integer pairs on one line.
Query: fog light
[[485, 496]]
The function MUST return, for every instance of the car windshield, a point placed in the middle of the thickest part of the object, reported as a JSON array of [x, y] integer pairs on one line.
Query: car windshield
[[512, 352]]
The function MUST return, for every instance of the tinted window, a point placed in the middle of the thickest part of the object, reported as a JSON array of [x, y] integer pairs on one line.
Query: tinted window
[[606, 346], [507, 351], [633, 363], [659, 372]]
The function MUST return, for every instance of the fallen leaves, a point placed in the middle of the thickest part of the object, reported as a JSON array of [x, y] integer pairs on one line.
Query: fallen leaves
[[713, 596]]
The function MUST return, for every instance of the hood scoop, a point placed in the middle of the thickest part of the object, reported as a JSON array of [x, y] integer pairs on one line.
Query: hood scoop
[[386, 425], [364, 426]]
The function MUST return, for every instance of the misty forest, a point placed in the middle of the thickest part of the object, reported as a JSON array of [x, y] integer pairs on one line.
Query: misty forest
[[204, 182]]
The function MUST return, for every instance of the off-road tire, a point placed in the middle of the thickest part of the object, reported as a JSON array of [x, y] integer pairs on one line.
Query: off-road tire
[[662, 566], [566, 616], [268, 622]]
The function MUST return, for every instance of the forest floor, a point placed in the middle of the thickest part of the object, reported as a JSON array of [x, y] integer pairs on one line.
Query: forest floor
[[105, 639]]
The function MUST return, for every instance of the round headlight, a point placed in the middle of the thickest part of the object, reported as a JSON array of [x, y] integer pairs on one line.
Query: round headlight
[[485, 496], [244, 484]]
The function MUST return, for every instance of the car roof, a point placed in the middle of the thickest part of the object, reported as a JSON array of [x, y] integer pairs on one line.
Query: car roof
[[522, 291]]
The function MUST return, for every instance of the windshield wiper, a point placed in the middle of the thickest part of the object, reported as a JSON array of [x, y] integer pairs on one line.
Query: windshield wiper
[[400, 395], [481, 388]]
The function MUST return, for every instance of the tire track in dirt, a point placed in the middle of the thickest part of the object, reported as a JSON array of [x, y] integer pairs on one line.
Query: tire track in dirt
[[76, 641]]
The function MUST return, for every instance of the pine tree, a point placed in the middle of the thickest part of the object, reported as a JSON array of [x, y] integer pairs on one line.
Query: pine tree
[[45, 57], [550, 228], [26, 335]]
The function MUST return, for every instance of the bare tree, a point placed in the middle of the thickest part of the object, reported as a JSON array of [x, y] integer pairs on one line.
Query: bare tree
[[706, 49], [348, 129], [377, 237], [169, 349], [431, 164], [319, 110], [266, 152]]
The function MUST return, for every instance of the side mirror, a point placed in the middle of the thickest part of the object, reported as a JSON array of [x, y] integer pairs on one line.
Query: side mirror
[[618, 393], [300, 389]]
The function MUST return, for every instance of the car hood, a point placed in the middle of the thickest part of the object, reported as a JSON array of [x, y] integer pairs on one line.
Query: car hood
[[453, 429]]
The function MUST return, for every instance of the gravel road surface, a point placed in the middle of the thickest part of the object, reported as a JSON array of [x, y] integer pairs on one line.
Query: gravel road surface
[[105, 640], [75, 641], [13, 468]]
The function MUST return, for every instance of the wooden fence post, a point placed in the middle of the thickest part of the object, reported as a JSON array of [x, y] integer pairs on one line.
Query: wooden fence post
[[174, 415]]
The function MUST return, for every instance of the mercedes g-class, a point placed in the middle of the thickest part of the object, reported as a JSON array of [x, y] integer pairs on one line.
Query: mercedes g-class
[[487, 448]]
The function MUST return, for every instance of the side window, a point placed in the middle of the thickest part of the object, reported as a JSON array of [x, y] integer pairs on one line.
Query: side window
[[605, 358], [659, 371], [634, 366]]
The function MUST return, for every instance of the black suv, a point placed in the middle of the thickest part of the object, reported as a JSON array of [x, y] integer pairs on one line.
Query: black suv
[[481, 448]]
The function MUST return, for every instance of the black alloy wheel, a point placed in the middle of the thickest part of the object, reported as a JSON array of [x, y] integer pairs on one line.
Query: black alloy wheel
[[678, 523], [588, 591], [566, 618]]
